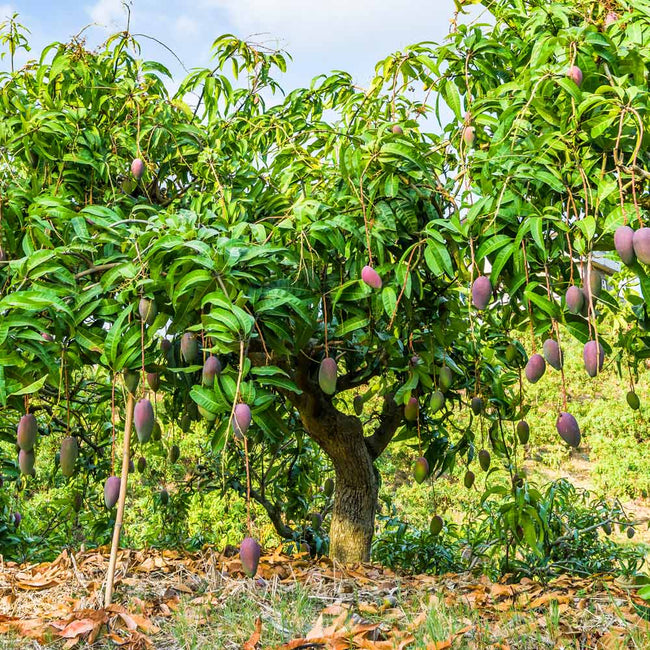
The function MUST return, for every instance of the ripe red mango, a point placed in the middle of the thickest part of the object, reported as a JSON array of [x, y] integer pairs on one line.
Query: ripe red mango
[[111, 491], [241, 420], [481, 292], [593, 355], [371, 277], [567, 427], [624, 244], [535, 368], [575, 74], [143, 418], [137, 168], [249, 554]]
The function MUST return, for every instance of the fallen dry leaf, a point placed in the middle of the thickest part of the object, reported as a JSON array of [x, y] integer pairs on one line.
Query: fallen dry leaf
[[255, 637]]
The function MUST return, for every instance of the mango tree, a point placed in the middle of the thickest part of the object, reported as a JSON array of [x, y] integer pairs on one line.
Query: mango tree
[[256, 261]]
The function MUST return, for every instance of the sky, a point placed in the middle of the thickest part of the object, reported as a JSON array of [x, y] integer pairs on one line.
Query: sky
[[320, 35]]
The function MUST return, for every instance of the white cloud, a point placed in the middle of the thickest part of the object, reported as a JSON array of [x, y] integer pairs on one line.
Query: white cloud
[[6, 11], [107, 12], [185, 26], [348, 23]]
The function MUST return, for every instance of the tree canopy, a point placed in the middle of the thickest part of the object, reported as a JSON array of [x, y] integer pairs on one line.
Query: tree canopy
[[331, 223]]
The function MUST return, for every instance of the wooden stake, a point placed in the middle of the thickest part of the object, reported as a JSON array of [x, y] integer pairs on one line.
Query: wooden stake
[[117, 529]]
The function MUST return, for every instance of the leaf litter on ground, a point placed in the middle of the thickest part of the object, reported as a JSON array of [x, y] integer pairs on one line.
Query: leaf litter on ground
[[363, 606]]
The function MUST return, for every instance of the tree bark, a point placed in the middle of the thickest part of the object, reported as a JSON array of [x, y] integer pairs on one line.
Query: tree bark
[[341, 437], [353, 516]]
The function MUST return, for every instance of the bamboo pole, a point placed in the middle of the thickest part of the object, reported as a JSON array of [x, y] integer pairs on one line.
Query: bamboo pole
[[117, 529]]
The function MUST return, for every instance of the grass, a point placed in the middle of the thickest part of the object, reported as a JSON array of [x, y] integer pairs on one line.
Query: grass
[[288, 615]]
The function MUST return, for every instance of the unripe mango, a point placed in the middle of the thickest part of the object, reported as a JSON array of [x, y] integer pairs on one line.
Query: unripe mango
[[316, 520], [77, 501], [142, 464], [207, 415], [468, 479], [26, 460], [241, 420], [164, 497], [481, 292], [476, 405], [567, 427], [68, 457], [591, 287], [328, 487], [357, 404], [27, 432], [156, 434], [144, 420], [147, 310], [327, 375], [437, 401], [371, 277], [211, 368], [153, 379], [436, 525], [630, 532], [633, 400], [484, 459], [535, 368], [594, 357], [553, 354], [186, 422], [420, 469], [189, 347], [523, 432], [111, 491], [174, 454], [445, 378], [411, 410], [511, 353], [249, 554], [131, 381]]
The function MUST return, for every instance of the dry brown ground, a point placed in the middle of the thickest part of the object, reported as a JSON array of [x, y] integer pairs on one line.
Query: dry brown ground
[[170, 600]]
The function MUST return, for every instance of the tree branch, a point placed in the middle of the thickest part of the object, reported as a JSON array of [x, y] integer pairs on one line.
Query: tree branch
[[389, 420], [97, 269], [358, 377], [272, 510]]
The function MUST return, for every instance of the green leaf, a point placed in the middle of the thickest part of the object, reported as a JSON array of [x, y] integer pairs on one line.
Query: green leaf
[[389, 300], [31, 388]]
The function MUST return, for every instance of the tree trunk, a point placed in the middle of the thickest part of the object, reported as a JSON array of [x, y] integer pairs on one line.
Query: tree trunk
[[342, 438], [353, 517]]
